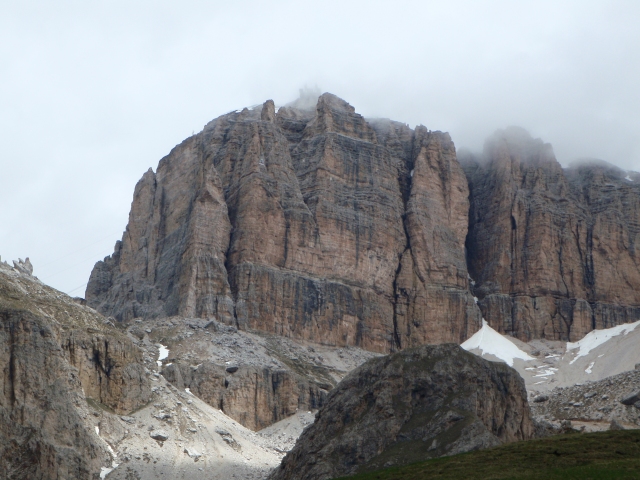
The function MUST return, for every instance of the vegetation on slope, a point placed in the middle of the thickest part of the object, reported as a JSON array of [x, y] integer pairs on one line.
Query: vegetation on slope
[[602, 455]]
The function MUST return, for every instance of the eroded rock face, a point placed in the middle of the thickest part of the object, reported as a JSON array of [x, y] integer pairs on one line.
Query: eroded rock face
[[320, 225], [420, 403], [552, 251], [55, 355], [312, 224], [255, 397], [42, 433]]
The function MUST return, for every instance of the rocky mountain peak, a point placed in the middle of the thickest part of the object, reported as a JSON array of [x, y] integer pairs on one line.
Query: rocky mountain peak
[[268, 113], [309, 226], [320, 224]]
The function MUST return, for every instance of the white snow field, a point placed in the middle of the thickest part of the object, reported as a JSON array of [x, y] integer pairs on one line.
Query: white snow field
[[595, 338], [488, 341], [546, 364]]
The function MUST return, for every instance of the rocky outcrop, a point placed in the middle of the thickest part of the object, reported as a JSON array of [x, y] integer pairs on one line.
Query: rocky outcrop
[[55, 356], [253, 396], [43, 434], [256, 379], [312, 224], [552, 251], [420, 403]]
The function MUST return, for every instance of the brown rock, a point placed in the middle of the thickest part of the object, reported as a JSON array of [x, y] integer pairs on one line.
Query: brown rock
[[420, 403], [304, 223], [255, 397], [551, 251], [53, 351]]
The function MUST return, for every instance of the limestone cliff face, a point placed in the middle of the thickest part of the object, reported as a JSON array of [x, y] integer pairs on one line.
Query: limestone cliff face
[[256, 397], [312, 224], [55, 355], [552, 251], [420, 403], [321, 225]]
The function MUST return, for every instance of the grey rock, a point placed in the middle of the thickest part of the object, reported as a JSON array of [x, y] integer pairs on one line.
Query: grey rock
[[541, 398], [615, 425], [193, 453], [159, 435], [232, 369], [631, 398], [23, 267], [425, 402]]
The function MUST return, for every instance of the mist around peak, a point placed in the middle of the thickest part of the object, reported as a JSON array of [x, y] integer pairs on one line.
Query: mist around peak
[[307, 99]]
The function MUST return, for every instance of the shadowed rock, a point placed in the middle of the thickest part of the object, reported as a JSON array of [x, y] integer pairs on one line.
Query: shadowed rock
[[420, 403]]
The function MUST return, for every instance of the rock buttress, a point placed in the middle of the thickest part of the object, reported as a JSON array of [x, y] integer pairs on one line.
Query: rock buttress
[[307, 224], [552, 251]]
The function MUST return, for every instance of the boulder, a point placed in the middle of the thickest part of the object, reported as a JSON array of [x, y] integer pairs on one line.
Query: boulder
[[631, 398], [159, 435], [420, 403]]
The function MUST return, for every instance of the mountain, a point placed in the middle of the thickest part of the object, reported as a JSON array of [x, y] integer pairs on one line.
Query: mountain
[[552, 251], [312, 224], [317, 224], [60, 361]]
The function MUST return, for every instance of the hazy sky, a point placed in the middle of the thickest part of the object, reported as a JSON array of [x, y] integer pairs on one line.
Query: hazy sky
[[94, 92]]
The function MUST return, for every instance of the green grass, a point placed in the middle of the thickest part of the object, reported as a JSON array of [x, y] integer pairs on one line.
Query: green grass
[[587, 456]]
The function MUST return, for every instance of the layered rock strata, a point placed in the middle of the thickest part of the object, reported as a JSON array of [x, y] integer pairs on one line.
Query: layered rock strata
[[552, 251], [255, 397], [312, 224], [55, 356], [255, 379], [420, 403]]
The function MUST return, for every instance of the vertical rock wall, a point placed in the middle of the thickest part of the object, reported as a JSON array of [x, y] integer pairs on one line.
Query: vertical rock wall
[[316, 225], [321, 225], [552, 251]]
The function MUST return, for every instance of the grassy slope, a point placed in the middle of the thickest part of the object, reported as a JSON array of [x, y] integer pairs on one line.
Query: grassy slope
[[602, 455]]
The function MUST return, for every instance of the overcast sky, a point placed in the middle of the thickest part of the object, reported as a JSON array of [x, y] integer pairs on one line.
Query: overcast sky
[[94, 92]]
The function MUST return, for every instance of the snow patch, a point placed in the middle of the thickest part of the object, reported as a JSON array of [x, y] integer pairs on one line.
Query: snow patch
[[588, 369], [489, 341], [104, 471], [97, 430], [164, 353], [188, 391], [595, 338], [628, 178]]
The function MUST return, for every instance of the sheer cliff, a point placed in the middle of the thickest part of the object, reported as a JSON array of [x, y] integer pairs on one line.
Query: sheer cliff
[[318, 224], [552, 251], [313, 224]]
